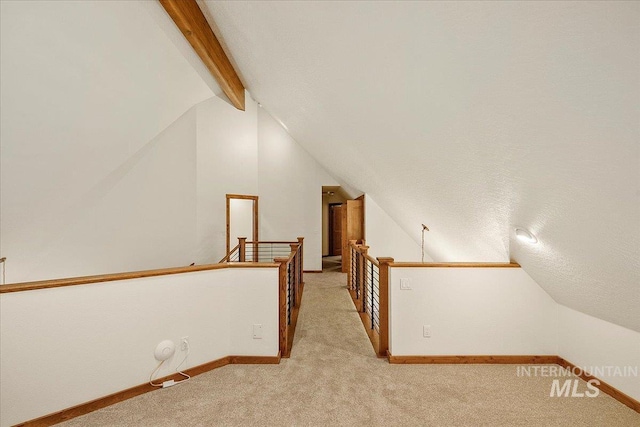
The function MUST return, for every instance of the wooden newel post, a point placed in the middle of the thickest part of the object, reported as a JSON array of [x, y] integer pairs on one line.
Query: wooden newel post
[[242, 250], [383, 341], [294, 247], [282, 303]]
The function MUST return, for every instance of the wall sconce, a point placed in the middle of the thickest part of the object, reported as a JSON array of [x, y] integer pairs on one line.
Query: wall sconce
[[525, 236]]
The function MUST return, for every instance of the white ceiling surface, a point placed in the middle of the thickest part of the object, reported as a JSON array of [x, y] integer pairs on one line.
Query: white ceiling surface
[[472, 118]]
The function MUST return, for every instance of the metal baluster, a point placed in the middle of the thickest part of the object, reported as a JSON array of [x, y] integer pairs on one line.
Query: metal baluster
[[289, 305], [372, 296]]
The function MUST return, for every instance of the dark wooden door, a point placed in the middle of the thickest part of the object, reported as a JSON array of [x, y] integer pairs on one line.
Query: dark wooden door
[[335, 230]]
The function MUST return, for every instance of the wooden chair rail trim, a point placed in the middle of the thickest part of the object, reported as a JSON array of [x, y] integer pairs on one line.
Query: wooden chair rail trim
[[102, 402], [455, 264], [57, 283]]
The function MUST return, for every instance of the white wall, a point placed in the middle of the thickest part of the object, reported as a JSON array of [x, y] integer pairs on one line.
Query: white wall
[[97, 154], [472, 311], [78, 343], [240, 220], [290, 188], [227, 164], [385, 238], [588, 342], [116, 156]]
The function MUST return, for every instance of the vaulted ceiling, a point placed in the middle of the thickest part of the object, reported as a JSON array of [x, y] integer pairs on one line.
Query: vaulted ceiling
[[471, 117]]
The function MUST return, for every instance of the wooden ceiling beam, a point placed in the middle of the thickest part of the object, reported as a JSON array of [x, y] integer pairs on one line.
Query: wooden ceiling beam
[[194, 26]]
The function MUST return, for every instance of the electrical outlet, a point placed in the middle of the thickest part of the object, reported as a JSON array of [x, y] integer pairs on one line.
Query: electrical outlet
[[184, 344], [257, 331], [405, 284], [426, 331]]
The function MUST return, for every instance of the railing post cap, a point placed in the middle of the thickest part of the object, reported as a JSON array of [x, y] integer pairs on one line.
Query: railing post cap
[[385, 260], [300, 239], [242, 238], [281, 259]]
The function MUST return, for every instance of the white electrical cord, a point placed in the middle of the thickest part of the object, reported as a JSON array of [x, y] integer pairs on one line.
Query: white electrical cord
[[187, 376], [153, 373]]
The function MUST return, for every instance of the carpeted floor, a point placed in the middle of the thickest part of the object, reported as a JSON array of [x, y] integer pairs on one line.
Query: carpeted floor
[[333, 378], [332, 263]]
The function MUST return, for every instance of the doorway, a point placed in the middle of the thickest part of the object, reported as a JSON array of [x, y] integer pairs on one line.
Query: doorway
[[242, 218], [332, 199], [335, 229]]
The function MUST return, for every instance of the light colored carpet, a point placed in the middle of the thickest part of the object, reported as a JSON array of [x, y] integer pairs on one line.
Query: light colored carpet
[[333, 378], [332, 263]]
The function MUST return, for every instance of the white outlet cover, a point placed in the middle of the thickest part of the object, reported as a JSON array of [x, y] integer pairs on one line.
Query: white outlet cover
[[164, 350], [426, 331], [257, 331], [405, 284]]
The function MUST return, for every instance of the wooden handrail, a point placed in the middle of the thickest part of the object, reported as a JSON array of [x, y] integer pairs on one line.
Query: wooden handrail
[[85, 280], [270, 242], [226, 258], [372, 260], [456, 264]]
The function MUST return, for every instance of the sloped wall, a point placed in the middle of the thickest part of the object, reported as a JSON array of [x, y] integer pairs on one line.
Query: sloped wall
[[385, 238], [97, 153], [116, 157], [290, 187], [486, 116]]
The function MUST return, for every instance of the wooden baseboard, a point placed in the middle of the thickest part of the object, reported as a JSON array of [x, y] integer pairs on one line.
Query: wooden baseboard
[[603, 386], [254, 360], [103, 402], [481, 359]]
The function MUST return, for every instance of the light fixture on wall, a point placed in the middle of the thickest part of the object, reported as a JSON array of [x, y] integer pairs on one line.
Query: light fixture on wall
[[424, 228], [525, 236]]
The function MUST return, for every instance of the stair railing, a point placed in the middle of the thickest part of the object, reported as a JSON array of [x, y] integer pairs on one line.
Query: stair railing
[[368, 285]]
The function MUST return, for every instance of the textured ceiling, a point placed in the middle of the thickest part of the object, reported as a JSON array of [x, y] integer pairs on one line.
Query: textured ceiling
[[473, 118]]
